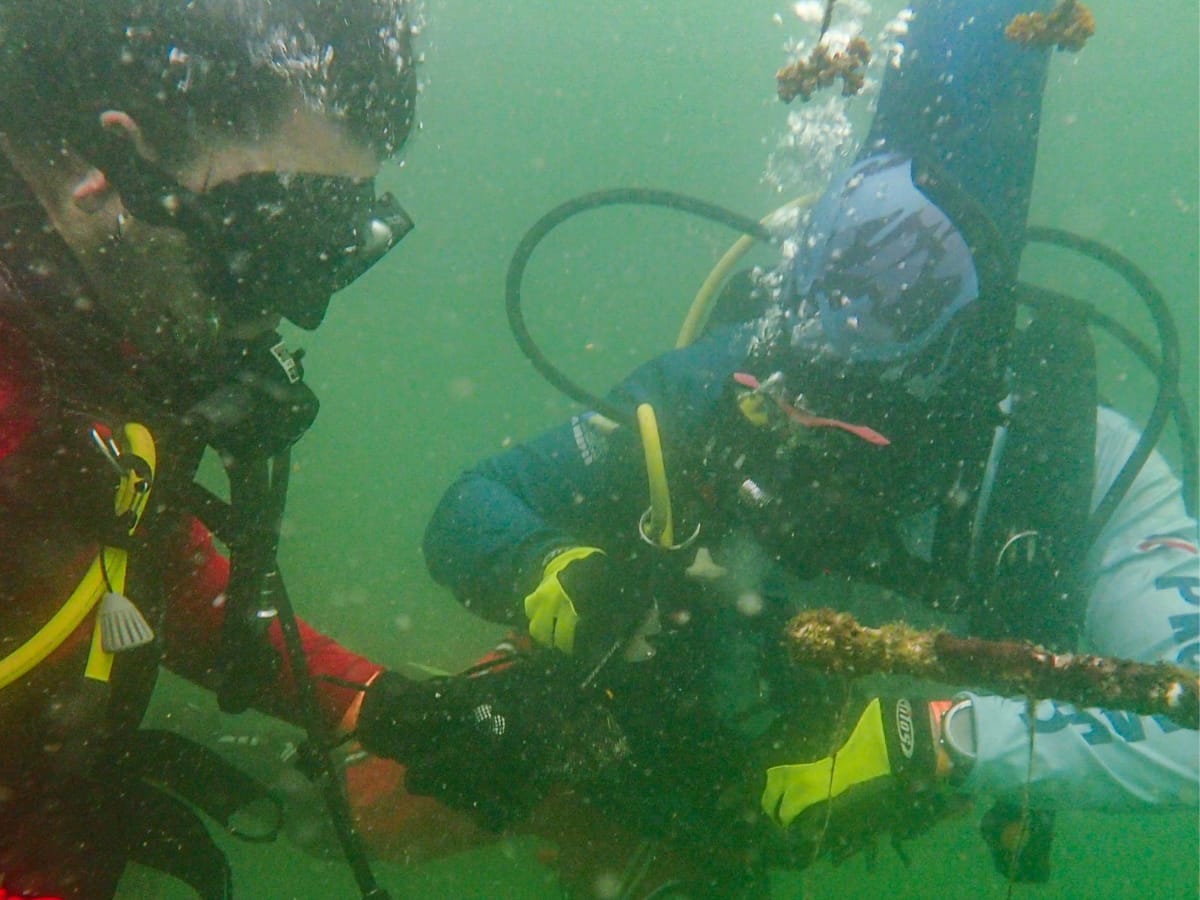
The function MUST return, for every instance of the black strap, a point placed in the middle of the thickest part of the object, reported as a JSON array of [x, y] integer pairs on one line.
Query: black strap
[[203, 778], [320, 741], [1043, 490], [161, 832]]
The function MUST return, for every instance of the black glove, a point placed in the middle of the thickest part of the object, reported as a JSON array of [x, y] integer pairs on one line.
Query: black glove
[[491, 743]]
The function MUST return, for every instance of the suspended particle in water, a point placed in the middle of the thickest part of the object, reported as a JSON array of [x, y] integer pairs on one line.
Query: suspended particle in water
[[749, 604], [607, 886]]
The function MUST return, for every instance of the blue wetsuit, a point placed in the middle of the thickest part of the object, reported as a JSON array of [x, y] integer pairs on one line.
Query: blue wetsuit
[[969, 100]]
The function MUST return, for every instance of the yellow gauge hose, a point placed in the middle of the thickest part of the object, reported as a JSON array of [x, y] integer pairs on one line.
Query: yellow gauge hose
[[702, 305]]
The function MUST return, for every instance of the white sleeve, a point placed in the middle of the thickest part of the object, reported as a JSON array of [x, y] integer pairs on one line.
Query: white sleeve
[[1143, 583]]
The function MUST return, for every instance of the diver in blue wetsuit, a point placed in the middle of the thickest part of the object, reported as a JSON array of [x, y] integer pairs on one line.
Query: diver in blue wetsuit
[[884, 420]]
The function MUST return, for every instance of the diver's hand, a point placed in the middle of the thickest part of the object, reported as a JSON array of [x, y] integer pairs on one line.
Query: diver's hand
[[886, 778], [493, 742], [581, 604]]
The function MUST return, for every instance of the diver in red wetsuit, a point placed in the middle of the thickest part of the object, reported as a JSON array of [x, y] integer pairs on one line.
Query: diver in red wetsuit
[[174, 179]]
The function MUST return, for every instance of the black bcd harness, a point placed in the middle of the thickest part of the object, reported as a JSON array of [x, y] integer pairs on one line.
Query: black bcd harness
[[1018, 548]]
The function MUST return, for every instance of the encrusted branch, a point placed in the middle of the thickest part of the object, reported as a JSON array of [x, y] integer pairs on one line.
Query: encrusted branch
[[837, 643]]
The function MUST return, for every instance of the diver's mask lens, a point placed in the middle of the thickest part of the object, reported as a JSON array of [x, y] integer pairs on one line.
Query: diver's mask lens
[[286, 242]]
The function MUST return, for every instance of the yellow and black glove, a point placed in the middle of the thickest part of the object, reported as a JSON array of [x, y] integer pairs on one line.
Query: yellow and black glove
[[883, 779], [580, 604]]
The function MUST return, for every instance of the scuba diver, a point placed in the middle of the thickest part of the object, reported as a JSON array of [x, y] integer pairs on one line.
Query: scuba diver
[[176, 178], [884, 417]]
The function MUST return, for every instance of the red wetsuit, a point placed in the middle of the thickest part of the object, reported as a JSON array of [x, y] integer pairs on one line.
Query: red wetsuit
[[50, 716], [59, 849], [196, 575]]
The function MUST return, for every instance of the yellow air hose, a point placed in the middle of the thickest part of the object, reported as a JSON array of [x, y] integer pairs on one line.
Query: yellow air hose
[[702, 305], [106, 573]]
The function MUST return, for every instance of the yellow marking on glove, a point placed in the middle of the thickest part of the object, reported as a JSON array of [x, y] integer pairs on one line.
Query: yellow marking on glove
[[792, 789], [753, 408], [552, 615]]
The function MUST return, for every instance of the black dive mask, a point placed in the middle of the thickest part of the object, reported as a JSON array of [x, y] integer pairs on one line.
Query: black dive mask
[[265, 242], [286, 242], [268, 242]]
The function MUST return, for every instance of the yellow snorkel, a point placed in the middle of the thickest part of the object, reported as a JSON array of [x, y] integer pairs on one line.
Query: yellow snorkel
[[657, 525]]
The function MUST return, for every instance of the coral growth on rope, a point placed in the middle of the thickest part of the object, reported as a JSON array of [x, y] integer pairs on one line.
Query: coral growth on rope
[[821, 68], [1068, 27], [837, 643]]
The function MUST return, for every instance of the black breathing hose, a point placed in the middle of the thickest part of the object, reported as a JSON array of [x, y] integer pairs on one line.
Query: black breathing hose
[[1167, 371], [1046, 298], [558, 215]]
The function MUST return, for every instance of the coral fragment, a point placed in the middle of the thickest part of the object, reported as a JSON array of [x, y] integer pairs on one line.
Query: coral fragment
[[821, 68], [1068, 27]]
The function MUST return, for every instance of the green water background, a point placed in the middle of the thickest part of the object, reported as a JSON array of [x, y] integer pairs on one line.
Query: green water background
[[525, 105]]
